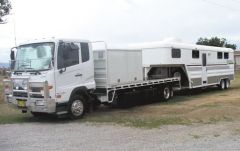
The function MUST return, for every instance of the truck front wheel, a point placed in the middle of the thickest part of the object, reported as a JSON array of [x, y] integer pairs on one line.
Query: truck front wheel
[[77, 107]]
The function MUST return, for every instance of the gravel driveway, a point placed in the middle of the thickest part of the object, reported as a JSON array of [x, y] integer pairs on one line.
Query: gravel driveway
[[87, 136]]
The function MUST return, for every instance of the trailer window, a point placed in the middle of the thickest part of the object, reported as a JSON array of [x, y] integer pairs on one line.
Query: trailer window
[[195, 54], [84, 52], [219, 55], [176, 53], [226, 55]]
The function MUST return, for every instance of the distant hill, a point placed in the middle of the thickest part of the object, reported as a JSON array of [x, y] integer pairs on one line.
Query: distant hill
[[4, 65]]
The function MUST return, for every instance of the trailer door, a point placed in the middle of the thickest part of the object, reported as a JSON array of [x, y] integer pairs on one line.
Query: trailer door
[[204, 69]]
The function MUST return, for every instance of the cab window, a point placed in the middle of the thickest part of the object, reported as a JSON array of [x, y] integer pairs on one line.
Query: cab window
[[84, 51], [68, 55]]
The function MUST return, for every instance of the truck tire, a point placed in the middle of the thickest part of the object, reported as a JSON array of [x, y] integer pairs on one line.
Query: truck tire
[[180, 74], [77, 107], [227, 83], [172, 93], [166, 93], [177, 74], [222, 84]]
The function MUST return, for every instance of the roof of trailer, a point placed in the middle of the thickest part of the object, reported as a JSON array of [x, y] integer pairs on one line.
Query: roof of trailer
[[179, 45]]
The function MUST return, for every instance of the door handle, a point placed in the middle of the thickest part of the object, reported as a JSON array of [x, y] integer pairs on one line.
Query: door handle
[[78, 75]]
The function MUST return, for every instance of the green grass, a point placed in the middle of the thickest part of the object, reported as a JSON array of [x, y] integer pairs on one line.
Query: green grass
[[13, 119], [139, 123], [195, 136], [237, 132], [216, 135]]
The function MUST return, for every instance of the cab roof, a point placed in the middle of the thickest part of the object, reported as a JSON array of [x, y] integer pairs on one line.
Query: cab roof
[[52, 40]]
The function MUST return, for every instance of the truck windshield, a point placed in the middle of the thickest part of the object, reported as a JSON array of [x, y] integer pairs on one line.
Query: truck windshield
[[36, 56]]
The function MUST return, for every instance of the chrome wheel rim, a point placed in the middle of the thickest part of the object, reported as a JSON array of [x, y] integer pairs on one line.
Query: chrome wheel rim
[[177, 75], [77, 108], [222, 84], [227, 84], [166, 93]]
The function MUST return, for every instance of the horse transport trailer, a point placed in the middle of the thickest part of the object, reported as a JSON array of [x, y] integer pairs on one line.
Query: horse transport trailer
[[196, 65]]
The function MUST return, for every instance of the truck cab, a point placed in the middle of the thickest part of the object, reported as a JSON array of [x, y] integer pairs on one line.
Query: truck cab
[[47, 74]]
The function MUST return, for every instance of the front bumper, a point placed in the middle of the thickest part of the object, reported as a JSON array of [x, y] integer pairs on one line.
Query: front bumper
[[33, 104]]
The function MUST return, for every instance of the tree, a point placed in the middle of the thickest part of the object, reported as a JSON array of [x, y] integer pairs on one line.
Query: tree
[[5, 7], [217, 42], [233, 46]]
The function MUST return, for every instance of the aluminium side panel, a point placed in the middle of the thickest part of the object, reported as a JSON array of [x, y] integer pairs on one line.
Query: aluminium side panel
[[134, 66], [124, 66], [222, 70], [100, 68]]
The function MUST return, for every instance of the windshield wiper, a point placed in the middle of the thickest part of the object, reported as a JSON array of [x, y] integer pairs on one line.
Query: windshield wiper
[[28, 68]]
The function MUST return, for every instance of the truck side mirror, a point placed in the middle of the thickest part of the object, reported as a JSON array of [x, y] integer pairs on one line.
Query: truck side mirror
[[12, 55], [12, 58]]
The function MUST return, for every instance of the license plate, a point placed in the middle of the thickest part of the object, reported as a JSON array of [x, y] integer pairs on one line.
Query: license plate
[[21, 103]]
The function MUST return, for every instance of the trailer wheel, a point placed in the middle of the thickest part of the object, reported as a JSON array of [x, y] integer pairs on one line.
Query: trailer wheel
[[227, 83], [177, 74], [222, 85], [166, 93], [77, 107], [172, 93]]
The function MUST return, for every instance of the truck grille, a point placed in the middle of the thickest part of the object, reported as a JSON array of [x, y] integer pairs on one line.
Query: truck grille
[[25, 95], [36, 96], [20, 94], [36, 89]]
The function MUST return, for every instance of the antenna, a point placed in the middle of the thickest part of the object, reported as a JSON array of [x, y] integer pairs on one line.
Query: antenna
[[14, 29]]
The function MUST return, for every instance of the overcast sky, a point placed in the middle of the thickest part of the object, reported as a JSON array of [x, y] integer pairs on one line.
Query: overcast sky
[[121, 21]]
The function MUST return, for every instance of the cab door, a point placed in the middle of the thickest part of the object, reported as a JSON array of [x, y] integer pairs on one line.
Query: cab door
[[68, 73], [204, 69]]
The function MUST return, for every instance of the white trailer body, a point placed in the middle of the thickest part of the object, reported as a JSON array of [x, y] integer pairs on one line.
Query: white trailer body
[[198, 65]]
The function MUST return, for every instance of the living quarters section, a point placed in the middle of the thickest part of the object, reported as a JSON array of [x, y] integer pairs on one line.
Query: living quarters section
[[196, 65]]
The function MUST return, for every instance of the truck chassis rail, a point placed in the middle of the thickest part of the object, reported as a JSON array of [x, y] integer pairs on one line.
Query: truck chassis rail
[[145, 83], [138, 84]]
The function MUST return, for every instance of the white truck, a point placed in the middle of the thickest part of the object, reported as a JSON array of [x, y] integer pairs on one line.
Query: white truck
[[65, 76]]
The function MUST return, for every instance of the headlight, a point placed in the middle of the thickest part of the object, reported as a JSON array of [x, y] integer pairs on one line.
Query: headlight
[[24, 84], [20, 84]]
